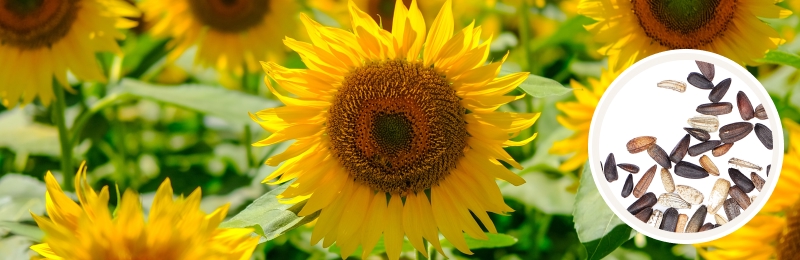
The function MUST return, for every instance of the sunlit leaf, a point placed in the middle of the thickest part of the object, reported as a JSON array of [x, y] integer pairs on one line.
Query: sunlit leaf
[[782, 57], [19, 133], [599, 229], [19, 196], [29, 231]]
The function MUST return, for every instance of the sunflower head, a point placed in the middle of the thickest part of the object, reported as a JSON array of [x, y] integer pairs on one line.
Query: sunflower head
[[397, 132], [174, 229]]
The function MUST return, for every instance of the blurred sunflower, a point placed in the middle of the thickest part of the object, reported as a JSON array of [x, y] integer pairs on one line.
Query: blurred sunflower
[[231, 36], [42, 40], [390, 141], [775, 231], [577, 117], [175, 229], [636, 29]]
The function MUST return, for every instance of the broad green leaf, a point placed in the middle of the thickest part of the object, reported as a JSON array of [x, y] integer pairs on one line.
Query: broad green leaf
[[19, 133], [558, 200], [782, 57], [539, 87], [215, 101], [15, 247], [494, 241], [32, 232], [19, 196], [599, 229], [274, 217]]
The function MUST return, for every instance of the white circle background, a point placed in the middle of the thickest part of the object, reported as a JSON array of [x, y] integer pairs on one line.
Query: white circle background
[[634, 106]]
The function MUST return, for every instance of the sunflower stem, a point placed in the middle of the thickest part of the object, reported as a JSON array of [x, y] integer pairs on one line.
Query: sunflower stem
[[525, 35], [58, 110], [251, 89], [83, 119]]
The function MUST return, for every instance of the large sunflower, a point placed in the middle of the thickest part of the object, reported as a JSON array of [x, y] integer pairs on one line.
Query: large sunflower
[[775, 231], [577, 117], [396, 132], [175, 228], [635, 29], [42, 40], [231, 36]]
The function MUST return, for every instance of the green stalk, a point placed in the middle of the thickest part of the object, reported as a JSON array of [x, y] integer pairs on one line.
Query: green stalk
[[97, 107], [58, 109]]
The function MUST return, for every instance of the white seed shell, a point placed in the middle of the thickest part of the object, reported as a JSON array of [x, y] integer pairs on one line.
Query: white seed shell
[[672, 200], [718, 195], [689, 194], [666, 178], [655, 218], [673, 85], [708, 123]]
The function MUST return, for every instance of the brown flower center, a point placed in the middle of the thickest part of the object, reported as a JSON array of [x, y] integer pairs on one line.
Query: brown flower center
[[684, 24], [397, 126], [31, 24], [231, 16]]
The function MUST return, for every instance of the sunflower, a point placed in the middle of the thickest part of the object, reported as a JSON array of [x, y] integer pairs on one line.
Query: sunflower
[[636, 29], [42, 40], [396, 132], [577, 117], [175, 229], [775, 231], [230, 36]]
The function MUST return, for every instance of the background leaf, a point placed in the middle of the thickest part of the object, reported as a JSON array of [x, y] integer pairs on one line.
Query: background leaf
[[782, 57], [599, 229], [538, 86], [219, 102]]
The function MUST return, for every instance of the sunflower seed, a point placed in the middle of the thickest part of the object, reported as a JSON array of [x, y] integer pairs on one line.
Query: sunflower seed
[[720, 220], [644, 215], [670, 220], [628, 187], [680, 150], [681, 226], [704, 122], [768, 166], [708, 165], [697, 220], [716, 226], [706, 227], [740, 180], [673, 85], [646, 201], [644, 182], [760, 112], [764, 135], [689, 170], [703, 147], [659, 155], [689, 194], [655, 219], [632, 168], [718, 195], [731, 209], [698, 133], [666, 178], [719, 90], [641, 143], [735, 131], [721, 150], [715, 109], [672, 200], [745, 164], [609, 170], [740, 197], [745, 107], [706, 68], [699, 81], [752, 198]]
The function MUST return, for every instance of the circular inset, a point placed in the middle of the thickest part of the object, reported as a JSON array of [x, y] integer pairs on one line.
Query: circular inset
[[705, 137]]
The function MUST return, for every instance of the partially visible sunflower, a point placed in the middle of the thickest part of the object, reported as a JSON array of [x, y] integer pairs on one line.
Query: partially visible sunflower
[[775, 231], [577, 117], [42, 40], [396, 132], [231, 36], [175, 228], [635, 29]]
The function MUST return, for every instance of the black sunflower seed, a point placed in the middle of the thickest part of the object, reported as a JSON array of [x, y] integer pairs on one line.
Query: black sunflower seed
[[703, 147], [715, 109], [628, 187], [745, 107], [706, 68], [699, 81], [760, 112], [628, 167], [740, 197], [698, 133], [609, 169], [740, 180], [735, 131], [697, 219], [646, 201], [660, 156], [689, 170], [706, 227], [731, 209], [670, 220], [680, 150], [644, 215], [719, 90], [768, 166], [764, 135], [757, 180]]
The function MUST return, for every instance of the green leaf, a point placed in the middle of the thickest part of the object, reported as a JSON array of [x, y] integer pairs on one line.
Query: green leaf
[[19, 196], [273, 217], [215, 101], [558, 200], [782, 57], [494, 241], [19, 133], [32, 232], [599, 229], [539, 87]]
